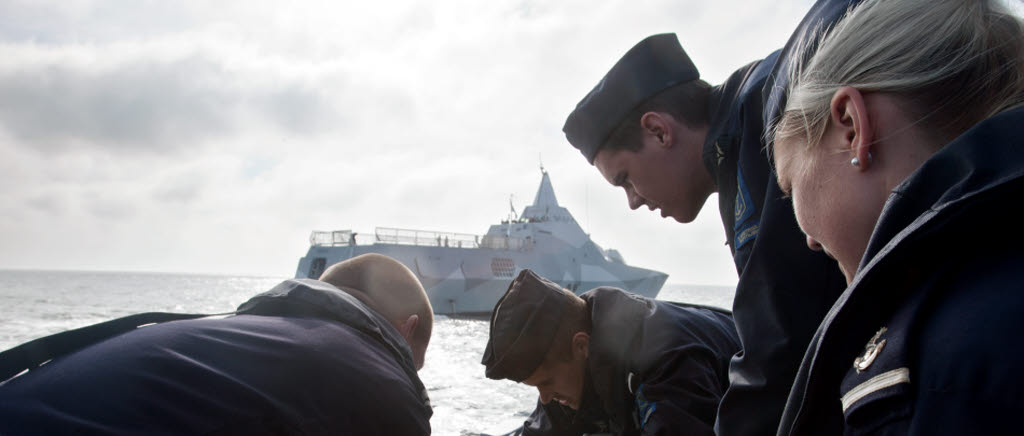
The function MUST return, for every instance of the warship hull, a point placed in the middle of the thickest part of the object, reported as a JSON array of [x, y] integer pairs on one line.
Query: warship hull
[[469, 281], [466, 274]]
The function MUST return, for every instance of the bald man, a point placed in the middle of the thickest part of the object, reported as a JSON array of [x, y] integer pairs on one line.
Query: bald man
[[393, 291], [335, 356]]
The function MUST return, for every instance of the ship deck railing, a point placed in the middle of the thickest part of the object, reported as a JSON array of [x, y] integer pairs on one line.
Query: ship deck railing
[[424, 238], [335, 238], [388, 235]]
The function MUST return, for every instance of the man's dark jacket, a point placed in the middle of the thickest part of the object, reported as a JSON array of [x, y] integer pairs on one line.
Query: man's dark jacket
[[653, 368], [304, 358], [943, 274], [784, 288]]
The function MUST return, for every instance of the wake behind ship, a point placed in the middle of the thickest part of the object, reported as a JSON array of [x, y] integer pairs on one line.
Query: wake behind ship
[[466, 274]]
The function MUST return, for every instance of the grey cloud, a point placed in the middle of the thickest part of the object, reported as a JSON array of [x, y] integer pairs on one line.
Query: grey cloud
[[181, 191], [61, 21], [153, 106], [108, 207], [47, 203], [299, 109], [59, 203]]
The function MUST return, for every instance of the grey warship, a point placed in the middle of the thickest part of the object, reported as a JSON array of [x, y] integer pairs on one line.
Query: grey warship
[[466, 274]]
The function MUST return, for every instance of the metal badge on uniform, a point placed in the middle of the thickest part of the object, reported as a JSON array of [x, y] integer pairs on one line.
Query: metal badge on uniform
[[871, 351]]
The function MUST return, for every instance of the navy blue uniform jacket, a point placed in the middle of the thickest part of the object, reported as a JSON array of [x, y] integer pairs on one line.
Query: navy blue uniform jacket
[[654, 368], [306, 358], [943, 274], [784, 288]]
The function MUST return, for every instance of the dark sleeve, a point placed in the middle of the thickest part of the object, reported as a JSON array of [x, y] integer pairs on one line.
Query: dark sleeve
[[682, 360], [238, 375], [681, 395], [967, 378], [784, 289], [550, 420], [784, 292], [966, 382]]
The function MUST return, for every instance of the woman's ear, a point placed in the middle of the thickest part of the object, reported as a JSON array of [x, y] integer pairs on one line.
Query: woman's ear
[[849, 114]]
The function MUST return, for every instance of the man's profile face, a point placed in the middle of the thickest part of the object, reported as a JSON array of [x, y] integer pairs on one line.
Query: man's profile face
[[666, 177], [560, 380]]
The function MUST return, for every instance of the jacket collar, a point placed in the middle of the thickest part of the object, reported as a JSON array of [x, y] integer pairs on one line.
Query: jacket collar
[[977, 161], [313, 298]]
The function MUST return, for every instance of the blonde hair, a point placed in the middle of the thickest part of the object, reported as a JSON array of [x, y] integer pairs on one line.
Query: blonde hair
[[954, 62]]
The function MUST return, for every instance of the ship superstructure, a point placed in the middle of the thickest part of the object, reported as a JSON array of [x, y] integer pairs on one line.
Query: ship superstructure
[[466, 274]]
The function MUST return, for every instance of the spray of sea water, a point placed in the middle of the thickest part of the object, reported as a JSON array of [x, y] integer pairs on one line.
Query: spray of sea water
[[38, 303]]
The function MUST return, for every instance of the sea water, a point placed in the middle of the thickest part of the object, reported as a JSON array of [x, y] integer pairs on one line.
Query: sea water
[[38, 303]]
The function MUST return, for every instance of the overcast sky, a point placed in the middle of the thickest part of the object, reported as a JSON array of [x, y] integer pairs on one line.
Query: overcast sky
[[212, 137]]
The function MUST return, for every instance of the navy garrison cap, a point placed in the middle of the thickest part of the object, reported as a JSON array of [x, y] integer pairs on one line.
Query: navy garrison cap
[[523, 326], [653, 65]]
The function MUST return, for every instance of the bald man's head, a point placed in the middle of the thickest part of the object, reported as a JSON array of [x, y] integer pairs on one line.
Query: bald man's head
[[390, 289]]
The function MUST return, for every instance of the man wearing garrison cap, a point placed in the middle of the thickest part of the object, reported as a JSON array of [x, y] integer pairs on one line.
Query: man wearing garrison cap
[[608, 361], [669, 139]]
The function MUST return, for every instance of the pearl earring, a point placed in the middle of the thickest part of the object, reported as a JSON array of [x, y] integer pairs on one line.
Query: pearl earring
[[856, 160]]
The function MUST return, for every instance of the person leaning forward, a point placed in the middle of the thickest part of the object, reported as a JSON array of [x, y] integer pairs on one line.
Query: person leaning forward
[[908, 184], [609, 361], [335, 356], [652, 127]]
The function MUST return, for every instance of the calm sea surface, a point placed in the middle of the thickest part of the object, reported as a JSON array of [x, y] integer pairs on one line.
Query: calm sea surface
[[38, 303]]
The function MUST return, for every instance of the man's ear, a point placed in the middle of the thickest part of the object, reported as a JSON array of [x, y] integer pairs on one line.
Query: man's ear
[[581, 345], [408, 327], [849, 114], [656, 125]]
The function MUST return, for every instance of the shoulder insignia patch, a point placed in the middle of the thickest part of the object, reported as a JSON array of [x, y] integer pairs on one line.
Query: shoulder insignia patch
[[644, 408], [746, 225]]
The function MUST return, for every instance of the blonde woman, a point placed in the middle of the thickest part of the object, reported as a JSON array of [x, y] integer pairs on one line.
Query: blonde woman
[[902, 147]]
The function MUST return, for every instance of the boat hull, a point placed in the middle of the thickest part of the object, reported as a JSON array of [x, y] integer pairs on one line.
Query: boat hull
[[469, 281]]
